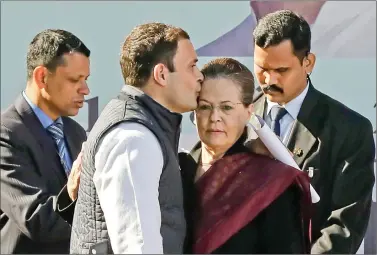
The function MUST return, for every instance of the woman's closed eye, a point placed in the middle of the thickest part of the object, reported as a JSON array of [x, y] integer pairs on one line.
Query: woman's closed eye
[[204, 107], [226, 108]]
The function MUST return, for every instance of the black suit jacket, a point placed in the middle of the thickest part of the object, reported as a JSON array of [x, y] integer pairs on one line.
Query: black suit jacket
[[338, 144], [31, 178]]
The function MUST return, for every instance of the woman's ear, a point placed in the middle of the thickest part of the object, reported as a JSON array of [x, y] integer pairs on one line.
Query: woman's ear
[[250, 109]]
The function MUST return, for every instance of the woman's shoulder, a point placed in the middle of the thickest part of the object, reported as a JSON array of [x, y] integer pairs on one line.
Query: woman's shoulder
[[187, 164], [183, 157]]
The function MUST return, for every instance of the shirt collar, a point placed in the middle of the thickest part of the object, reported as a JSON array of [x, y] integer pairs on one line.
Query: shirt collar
[[45, 120], [293, 107]]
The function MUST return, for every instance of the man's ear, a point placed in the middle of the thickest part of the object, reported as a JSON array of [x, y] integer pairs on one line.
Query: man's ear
[[40, 76], [309, 63], [160, 74]]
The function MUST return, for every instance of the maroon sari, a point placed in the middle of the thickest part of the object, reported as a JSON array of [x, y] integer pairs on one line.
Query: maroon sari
[[235, 190]]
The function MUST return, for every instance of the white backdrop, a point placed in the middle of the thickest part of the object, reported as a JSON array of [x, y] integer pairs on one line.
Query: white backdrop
[[344, 41]]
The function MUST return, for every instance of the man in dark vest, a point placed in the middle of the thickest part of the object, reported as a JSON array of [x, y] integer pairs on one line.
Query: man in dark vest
[[130, 196]]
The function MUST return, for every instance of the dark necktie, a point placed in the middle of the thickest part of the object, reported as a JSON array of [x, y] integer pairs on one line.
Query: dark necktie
[[56, 131], [276, 114]]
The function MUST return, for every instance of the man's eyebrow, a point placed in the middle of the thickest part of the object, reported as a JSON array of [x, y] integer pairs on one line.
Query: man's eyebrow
[[277, 68], [80, 76]]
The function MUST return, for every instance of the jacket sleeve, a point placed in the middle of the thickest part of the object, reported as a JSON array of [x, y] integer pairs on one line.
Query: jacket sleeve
[[65, 207], [25, 198], [351, 200]]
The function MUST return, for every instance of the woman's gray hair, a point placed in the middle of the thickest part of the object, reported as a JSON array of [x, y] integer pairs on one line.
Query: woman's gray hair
[[232, 69]]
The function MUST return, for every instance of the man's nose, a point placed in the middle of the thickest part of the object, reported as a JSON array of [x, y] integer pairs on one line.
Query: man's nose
[[200, 77], [84, 89], [269, 78]]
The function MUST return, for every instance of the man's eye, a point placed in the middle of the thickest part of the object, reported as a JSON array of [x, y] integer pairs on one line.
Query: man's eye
[[281, 70]]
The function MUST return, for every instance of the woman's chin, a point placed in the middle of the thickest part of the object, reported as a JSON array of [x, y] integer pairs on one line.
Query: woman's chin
[[217, 142]]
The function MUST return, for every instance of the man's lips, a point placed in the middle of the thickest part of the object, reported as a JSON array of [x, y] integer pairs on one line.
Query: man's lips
[[80, 103]]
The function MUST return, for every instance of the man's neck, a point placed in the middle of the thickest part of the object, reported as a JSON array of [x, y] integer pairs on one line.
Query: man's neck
[[293, 106], [153, 93], [37, 99]]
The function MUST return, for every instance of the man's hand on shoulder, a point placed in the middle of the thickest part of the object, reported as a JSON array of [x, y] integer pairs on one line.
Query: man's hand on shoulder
[[74, 177]]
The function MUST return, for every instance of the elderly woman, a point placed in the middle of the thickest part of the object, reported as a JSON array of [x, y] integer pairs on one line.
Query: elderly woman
[[237, 201]]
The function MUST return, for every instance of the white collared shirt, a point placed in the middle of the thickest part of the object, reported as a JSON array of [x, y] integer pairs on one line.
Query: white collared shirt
[[129, 164], [293, 108]]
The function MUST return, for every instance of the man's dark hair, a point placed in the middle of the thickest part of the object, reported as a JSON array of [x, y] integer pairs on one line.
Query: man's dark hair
[[146, 46], [48, 47], [283, 25]]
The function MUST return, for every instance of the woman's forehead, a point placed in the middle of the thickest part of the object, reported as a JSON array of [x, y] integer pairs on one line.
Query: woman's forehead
[[220, 89]]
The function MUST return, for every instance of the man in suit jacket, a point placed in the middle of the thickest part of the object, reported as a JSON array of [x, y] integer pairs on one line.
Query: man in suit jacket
[[39, 142], [329, 141]]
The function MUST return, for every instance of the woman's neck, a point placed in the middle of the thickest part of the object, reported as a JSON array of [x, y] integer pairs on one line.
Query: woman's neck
[[210, 155]]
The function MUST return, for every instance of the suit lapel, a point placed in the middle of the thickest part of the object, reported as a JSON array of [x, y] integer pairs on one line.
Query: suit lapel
[[196, 152], [40, 138], [301, 140], [259, 105]]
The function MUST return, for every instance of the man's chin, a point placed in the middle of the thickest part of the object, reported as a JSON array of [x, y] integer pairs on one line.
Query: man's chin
[[72, 112], [275, 97], [191, 107]]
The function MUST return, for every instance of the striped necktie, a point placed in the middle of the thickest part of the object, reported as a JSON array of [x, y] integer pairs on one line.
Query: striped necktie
[[276, 114], [56, 131]]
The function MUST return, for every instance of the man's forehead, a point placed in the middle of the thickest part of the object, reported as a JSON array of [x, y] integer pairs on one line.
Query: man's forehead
[[281, 54], [185, 51], [74, 64]]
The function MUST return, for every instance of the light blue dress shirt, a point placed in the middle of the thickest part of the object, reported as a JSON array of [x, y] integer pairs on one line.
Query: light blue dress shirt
[[293, 108], [46, 121]]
